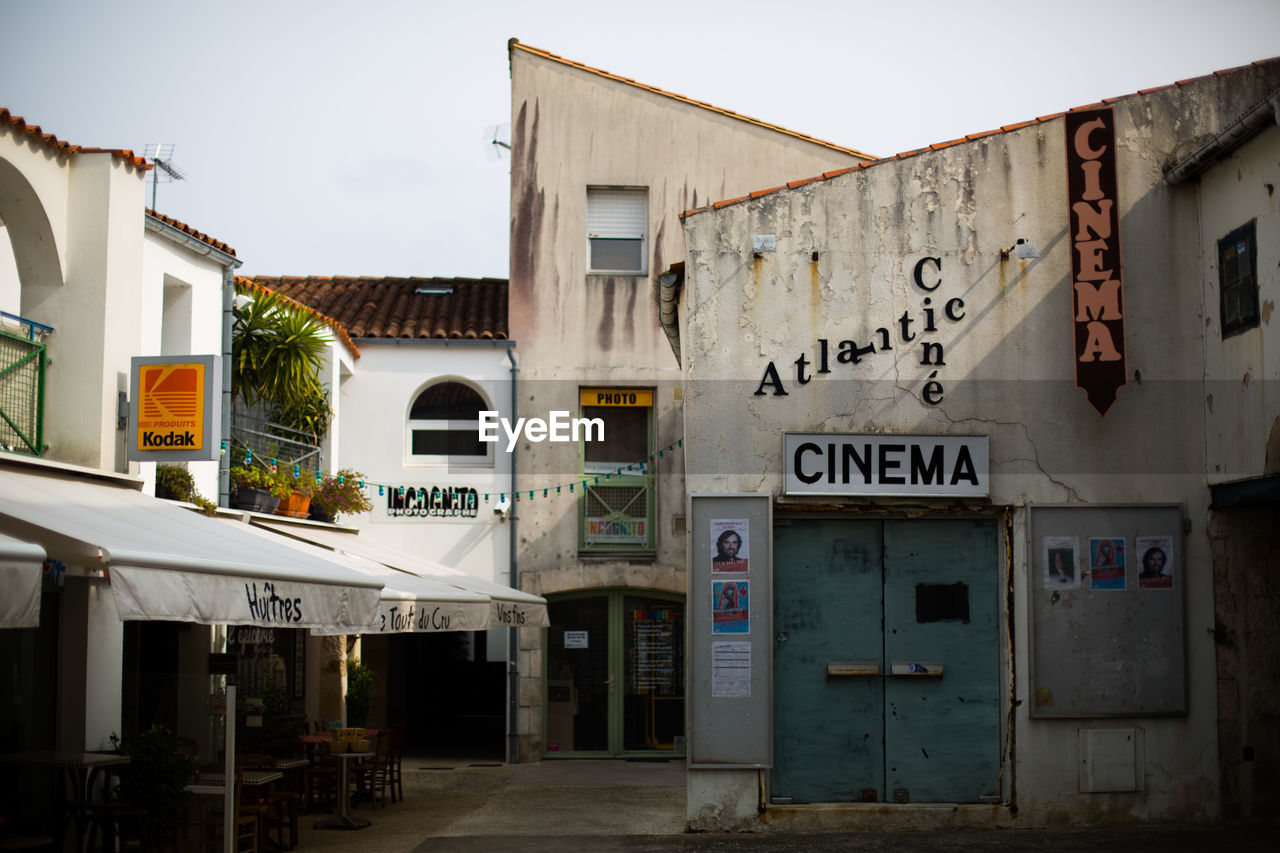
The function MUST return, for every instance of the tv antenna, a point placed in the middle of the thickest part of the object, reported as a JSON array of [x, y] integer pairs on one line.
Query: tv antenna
[[161, 154], [497, 141]]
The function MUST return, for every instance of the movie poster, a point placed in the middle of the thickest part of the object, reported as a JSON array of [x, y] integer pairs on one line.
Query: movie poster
[[730, 607], [1155, 562], [729, 544], [1058, 558], [1106, 563]]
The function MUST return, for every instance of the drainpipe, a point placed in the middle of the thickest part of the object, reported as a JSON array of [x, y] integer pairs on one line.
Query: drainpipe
[[513, 577], [152, 221], [670, 283], [228, 318]]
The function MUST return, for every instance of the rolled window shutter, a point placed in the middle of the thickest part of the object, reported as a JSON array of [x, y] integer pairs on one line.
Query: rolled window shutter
[[616, 214]]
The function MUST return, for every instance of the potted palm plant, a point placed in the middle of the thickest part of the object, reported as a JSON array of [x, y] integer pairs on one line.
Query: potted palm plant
[[277, 354], [340, 494]]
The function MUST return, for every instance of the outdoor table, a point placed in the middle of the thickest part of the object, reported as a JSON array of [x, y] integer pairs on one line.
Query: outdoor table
[[211, 782], [79, 770], [343, 819]]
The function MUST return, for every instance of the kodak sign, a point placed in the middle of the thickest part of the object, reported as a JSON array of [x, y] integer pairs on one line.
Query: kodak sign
[[173, 410], [1094, 231]]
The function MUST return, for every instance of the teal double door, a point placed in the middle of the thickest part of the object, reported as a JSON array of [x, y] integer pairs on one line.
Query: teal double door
[[886, 661]]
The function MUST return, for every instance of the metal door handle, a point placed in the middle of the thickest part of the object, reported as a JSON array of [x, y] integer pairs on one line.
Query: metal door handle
[[917, 669], [852, 669]]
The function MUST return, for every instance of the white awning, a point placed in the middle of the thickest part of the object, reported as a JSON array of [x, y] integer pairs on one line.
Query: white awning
[[409, 603], [169, 563], [511, 608], [20, 569]]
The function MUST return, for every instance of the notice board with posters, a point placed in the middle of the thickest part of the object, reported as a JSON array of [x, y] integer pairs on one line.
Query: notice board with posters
[[1106, 588], [730, 614]]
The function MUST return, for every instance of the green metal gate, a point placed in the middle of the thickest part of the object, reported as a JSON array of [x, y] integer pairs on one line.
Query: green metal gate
[[22, 363]]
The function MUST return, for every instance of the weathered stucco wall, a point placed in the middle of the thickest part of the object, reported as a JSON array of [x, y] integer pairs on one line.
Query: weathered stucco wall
[[572, 128], [1242, 371], [848, 249]]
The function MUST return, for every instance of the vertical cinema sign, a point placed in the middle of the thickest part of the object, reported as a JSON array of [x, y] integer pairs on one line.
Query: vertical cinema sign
[[1094, 223], [173, 408]]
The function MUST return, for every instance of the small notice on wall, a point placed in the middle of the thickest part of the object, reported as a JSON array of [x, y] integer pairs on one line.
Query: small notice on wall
[[575, 639], [731, 669], [730, 607], [729, 538], [1157, 563], [1106, 562], [1059, 569]]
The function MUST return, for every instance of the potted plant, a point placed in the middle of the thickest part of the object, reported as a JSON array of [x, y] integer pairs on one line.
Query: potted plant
[[301, 488], [156, 778], [256, 488], [340, 494], [359, 693], [277, 350], [175, 483]]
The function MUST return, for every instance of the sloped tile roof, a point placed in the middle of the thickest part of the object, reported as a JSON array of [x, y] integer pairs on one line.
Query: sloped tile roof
[[969, 138], [514, 44], [416, 308], [66, 149], [187, 229]]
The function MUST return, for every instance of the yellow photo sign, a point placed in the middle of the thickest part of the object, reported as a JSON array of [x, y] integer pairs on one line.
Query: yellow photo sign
[[615, 397]]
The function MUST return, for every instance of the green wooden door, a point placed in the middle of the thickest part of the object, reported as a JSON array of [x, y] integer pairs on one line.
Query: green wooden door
[[852, 599], [828, 731], [942, 733]]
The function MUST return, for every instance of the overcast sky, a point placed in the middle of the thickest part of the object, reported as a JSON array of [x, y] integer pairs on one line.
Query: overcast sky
[[326, 138]]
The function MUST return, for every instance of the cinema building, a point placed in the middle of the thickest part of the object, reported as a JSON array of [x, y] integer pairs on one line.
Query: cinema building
[[995, 425]]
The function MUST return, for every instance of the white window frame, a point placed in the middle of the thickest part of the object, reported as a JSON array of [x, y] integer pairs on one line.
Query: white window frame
[[614, 213], [427, 460]]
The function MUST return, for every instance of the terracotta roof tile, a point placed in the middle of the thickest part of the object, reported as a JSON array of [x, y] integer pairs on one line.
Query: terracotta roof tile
[[366, 307], [187, 229], [514, 44], [975, 136], [66, 149]]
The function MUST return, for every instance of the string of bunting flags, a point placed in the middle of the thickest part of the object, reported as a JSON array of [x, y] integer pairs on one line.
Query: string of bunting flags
[[581, 482]]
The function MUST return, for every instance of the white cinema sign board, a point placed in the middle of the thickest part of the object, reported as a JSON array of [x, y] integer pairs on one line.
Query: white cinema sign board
[[941, 466]]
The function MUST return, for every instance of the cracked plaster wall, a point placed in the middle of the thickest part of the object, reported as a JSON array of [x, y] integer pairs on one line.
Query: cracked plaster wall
[[843, 268]]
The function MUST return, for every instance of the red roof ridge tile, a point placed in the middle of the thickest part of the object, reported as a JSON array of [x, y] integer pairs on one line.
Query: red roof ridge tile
[[546, 54], [187, 229], [972, 137], [66, 149]]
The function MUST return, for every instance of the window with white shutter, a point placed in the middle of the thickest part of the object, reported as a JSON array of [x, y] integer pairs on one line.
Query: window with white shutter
[[617, 222]]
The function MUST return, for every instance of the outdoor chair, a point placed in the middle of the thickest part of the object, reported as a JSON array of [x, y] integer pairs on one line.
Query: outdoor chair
[[245, 820]]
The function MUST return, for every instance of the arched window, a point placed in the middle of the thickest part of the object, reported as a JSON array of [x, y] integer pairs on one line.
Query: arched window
[[444, 425]]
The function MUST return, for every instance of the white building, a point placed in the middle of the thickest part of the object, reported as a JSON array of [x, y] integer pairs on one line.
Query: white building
[[434, 353]]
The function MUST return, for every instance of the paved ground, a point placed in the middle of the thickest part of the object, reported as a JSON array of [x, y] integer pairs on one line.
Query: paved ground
[[638, 807]]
